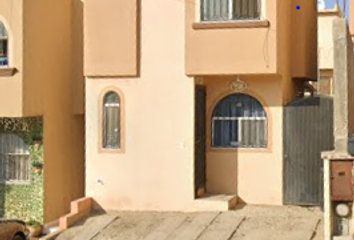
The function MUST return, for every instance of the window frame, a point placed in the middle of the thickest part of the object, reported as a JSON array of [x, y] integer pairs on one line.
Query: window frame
[[211, 133], [121, 133], [8, 154], [8, 69], [240, 119], [7, 42], [5, 39], [261, 18], [18, 181]]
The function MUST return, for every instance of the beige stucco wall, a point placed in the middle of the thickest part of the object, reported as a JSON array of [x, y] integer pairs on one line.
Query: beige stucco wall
[[284, 66], [108, 52], [23, 92], [351, 18], [231, 50], [250, 50], [11, 86], [77, 52], [255, 175], [49, 81], [304, 39], [38, 57], [156, 169], [63, 132]]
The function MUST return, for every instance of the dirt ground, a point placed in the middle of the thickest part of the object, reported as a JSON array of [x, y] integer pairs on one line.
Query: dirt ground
[[244, 223]]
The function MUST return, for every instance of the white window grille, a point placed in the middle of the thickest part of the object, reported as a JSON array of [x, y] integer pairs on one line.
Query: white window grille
[[14, 159], [229, 10]]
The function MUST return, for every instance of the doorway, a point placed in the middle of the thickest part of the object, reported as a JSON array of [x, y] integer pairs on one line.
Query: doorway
[[199, 153]]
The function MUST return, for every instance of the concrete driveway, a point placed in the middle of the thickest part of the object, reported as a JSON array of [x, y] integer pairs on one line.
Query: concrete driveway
[[246, 223]]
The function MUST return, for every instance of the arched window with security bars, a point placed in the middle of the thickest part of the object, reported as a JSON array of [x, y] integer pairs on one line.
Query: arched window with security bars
[[239, 121]]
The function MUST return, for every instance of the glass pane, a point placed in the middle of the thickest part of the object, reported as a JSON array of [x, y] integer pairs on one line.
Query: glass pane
[[253, 134], [239, 120], [246, 9], [225, 133], [111, 97], [239, 105], [3, 52], [3, 32], [111, 121], [215, 10]]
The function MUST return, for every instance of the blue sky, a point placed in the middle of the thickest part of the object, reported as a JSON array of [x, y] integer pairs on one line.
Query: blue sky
[[343, 4]]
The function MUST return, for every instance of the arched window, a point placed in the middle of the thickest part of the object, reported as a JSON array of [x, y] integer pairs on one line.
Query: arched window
[[3, 45], [239, 121], [111, 121]]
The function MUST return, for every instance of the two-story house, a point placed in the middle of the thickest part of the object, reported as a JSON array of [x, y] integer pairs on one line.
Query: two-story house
[[184, 99], [41, 76]]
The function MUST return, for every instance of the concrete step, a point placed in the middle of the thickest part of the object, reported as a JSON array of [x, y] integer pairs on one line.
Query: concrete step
[[215, 202]]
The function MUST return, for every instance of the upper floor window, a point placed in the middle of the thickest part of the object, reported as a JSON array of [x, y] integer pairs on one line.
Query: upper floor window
[[229, 10], [239, 121], [111, 121], [3, 45]]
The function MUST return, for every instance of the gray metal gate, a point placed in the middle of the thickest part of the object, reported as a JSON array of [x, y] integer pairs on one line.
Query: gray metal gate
[[308, 130]]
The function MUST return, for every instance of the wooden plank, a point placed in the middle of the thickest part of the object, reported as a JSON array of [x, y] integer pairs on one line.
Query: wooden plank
[[95, 227], [193, 227], [223, 227]]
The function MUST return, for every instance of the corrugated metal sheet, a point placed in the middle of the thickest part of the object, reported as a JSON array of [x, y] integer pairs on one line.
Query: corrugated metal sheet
[[308, 130]]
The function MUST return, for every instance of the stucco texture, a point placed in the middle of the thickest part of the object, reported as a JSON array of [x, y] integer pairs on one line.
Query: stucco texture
[[255, 175], [48, 83], [156, 169]]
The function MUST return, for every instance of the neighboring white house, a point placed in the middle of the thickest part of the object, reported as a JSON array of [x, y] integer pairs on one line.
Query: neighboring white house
[[325, 47]]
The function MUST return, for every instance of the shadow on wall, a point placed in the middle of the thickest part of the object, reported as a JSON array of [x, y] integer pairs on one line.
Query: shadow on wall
[[21, 163]]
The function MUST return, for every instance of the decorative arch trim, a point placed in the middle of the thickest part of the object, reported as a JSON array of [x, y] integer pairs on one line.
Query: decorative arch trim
[[102, 95], [210, 110]]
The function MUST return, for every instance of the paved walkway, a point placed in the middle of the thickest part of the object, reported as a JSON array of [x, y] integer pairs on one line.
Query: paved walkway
[[247, 223]]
